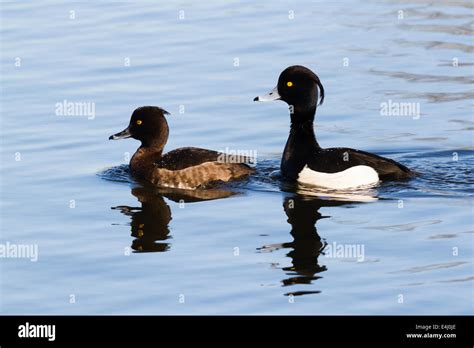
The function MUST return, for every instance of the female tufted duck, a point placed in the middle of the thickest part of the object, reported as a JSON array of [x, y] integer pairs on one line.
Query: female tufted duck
[[184, 168]]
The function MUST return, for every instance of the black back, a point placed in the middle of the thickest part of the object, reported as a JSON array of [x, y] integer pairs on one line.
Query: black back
[[341, 158]]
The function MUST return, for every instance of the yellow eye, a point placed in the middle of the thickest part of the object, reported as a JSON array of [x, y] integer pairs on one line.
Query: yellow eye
[[139, 122], [289, 83]]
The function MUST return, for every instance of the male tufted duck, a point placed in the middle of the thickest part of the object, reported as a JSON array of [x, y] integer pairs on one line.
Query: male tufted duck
[[304, 160]]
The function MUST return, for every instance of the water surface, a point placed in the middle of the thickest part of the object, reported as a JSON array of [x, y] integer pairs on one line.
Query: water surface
[[109, 245]]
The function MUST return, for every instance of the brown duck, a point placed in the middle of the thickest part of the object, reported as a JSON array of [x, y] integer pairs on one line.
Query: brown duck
[[183, 168]]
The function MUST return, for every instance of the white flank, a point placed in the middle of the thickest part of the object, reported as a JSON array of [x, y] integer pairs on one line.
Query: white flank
[[350, 178]]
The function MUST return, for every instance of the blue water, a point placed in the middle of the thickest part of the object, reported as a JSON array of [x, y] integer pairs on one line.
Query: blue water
[[108, 245]]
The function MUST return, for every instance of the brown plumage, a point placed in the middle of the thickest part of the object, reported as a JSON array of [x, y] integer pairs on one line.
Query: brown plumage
[[184, 168]]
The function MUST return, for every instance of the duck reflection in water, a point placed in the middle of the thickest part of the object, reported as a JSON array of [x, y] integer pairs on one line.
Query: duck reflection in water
[[307, 245], [150, 222]]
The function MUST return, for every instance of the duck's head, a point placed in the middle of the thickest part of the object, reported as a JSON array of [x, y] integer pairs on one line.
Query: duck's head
[[299, 87], [147, 124]]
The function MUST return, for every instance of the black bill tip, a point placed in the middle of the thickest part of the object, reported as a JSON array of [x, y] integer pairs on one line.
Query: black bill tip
[[255, 99]]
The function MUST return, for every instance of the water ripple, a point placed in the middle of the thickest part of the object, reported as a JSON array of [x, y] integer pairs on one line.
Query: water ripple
[[432, 267]]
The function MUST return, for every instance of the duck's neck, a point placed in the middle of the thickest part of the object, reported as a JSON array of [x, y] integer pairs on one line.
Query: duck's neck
[[143, 161], [301, 142]]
